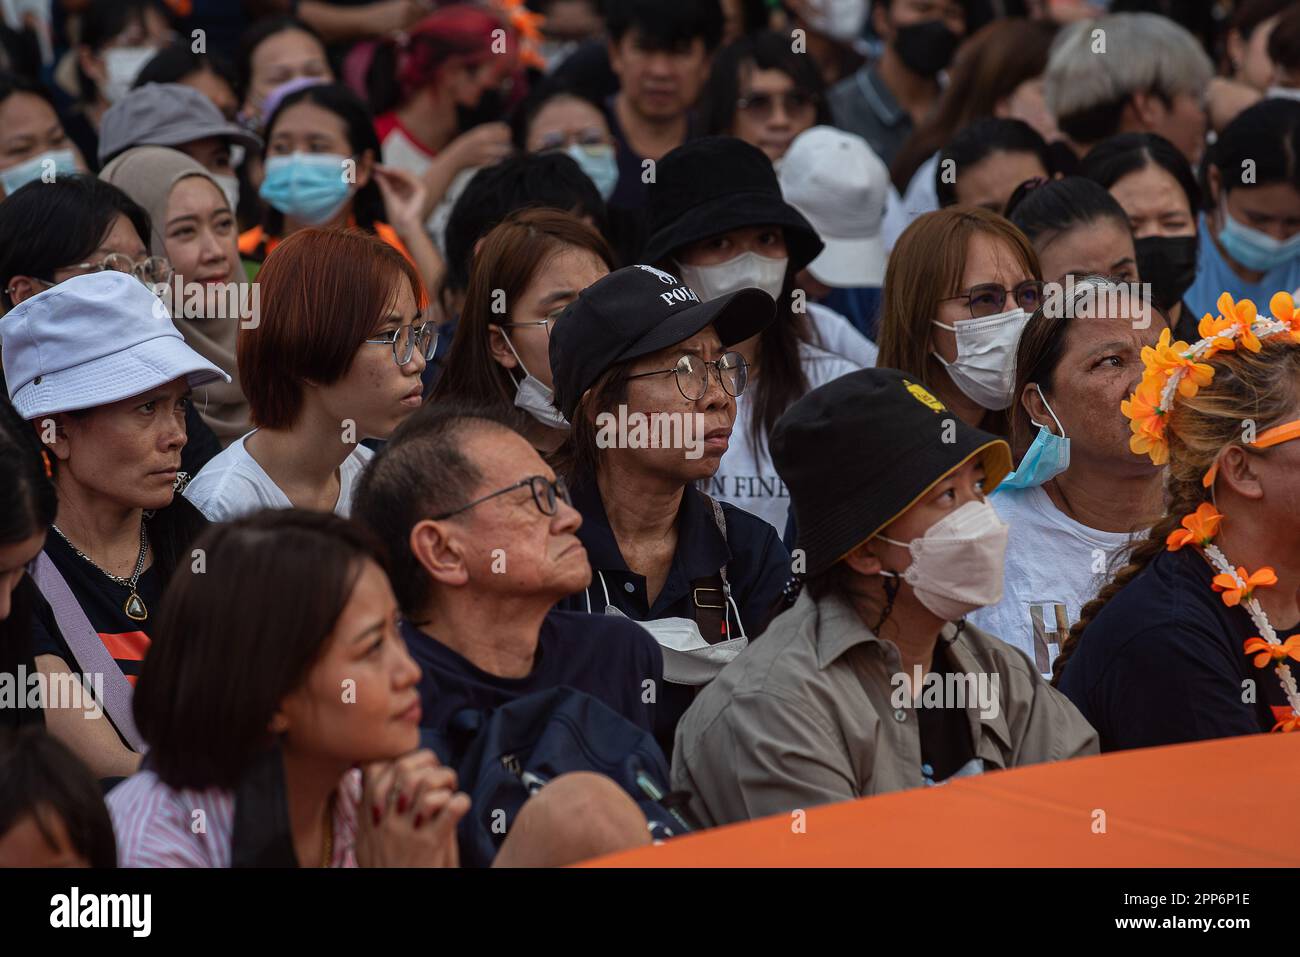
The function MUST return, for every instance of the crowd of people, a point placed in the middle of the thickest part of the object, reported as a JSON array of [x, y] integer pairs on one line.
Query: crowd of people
[[503, 434]]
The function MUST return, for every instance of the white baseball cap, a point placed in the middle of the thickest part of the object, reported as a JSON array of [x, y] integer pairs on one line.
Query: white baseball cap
[[92, 340], [838, 182]]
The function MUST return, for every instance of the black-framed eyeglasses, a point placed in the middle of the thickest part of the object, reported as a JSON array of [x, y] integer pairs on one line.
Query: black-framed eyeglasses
[[692, 374], [987, 298], [406, 339], [761, 105], [547, 496]]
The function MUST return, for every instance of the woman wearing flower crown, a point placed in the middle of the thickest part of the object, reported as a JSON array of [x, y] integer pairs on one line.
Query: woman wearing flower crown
[[1196, 637]]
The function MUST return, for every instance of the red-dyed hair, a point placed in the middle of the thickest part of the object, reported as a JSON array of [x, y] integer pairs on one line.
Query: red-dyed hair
[[321, 291], [455, 32]]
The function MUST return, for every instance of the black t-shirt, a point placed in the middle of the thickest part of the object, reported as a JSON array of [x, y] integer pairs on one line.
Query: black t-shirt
[[946, 743], [610, 659], [1163, 662], [103, 601]]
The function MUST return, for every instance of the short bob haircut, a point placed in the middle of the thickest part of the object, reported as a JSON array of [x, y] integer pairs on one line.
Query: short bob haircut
[[231, 643], [1145, 53], [925, 267], [768, 50], [41, 778], [323, 291]]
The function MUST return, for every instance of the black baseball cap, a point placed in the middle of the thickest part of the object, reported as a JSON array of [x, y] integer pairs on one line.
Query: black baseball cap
[[860, 450], [635, 311]]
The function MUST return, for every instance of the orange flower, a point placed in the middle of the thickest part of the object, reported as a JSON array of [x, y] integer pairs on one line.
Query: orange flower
[[1198, 528], [1282, 308], [1165, 356], [1290, 723], [1242, 315], [1146, 419], [1233, 593], [1212, 327], [1265, 652]]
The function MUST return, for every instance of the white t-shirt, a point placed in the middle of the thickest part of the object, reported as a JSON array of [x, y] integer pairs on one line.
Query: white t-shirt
[[837, 335], [1054, 567], [754, 485], [403, 153], [919, 198], [233, 484]]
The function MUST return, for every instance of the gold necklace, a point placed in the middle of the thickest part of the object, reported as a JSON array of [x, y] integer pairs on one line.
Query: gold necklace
[[133, 606]]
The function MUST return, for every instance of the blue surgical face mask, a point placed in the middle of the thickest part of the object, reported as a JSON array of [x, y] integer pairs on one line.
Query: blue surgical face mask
[[51, 161], [307, 186], [1047, 456], [1252, 248], [597, 161]]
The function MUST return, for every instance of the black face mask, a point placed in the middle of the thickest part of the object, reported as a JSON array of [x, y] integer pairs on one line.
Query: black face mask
[[491, 104], [1168, 263], [926, 48]]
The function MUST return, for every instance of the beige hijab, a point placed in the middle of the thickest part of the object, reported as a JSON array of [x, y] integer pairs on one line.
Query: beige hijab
[[148, 174]]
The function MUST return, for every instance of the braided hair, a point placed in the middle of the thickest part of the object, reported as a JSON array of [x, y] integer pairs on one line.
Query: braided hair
[[1262, 388]]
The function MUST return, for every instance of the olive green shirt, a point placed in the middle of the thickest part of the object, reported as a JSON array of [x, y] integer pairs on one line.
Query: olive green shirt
[[809, 714]]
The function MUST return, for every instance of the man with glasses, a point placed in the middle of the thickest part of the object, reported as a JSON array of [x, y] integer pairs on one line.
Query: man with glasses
[[483, 541]]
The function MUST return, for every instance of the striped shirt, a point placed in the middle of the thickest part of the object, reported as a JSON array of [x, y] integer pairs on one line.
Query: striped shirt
[[159, 826]]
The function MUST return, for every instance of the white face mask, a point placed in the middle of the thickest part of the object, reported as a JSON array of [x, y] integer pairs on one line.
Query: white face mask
[[957, 564], [122, 65], [986, 357], [1282, 93], [230, 186], [840, 20], [742, 272], [688, 658], [535, 397]]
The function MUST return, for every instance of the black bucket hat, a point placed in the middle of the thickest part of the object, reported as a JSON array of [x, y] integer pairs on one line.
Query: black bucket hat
[[715, 184], [633, 312], [859, 451]]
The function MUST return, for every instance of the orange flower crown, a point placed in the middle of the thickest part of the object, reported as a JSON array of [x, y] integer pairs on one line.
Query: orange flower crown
[[1177, 368]]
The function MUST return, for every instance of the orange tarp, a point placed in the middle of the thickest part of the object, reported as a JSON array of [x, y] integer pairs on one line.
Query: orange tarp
[[1224, 803]]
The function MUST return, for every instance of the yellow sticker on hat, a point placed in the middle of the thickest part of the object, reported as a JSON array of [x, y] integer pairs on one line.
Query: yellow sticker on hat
[[925, 398]]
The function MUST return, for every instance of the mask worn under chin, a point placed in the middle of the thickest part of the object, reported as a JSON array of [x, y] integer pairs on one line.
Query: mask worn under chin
[[535, 397], [926, 48], [491, 104], [1047, 456], [741, 272], [1169, 264], [306, 186], [957, 564], [984, 369], [1252, 248], [54, 162]]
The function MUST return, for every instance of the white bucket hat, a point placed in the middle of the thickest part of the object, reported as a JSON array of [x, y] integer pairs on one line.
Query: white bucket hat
[[92, 340]]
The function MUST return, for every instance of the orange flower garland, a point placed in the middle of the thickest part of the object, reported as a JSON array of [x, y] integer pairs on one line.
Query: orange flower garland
[[1174, 368]]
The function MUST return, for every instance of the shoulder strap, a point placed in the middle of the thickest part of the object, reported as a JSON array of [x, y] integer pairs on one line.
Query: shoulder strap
[[709, 594], [88, 648]]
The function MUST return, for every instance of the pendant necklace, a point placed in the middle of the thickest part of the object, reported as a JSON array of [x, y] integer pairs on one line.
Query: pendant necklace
[[133, 606]]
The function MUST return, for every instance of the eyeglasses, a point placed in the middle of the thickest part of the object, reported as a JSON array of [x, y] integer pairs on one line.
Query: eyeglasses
[[150, 270], [692, 375], [547, 496], [987, 298], [406, 339], [544, 323], [761, 105]]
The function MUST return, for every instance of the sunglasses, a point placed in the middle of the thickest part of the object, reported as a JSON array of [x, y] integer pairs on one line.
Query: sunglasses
[[761, 105], [988, 298]]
